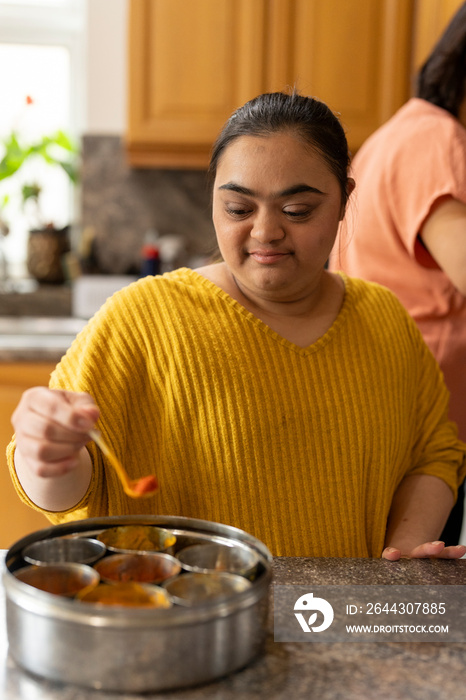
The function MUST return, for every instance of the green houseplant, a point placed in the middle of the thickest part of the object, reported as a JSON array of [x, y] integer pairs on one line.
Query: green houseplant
[[47, 243]]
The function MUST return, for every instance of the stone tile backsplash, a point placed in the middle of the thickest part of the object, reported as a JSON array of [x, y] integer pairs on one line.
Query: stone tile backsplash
[[120, 204]]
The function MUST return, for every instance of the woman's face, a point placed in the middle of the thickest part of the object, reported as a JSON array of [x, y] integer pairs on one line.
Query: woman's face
[[276, 209]]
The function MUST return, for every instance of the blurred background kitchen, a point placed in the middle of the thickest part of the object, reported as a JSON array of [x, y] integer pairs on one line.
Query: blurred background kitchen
[[108, 110]]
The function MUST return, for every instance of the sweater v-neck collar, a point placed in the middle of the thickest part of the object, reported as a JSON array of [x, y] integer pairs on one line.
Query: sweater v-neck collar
[[317, 345]]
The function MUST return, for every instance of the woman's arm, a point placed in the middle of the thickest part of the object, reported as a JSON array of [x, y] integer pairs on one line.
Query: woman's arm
[[444, 235], [60, 493], [419, 511]]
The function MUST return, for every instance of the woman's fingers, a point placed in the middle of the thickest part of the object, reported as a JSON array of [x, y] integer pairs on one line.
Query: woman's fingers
[[71, 411], [51, 428], [427, 550], [438, 550], [391, 553]]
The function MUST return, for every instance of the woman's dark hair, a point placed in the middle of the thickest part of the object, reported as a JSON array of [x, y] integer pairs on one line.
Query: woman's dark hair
[[442, 78], [307, 117]]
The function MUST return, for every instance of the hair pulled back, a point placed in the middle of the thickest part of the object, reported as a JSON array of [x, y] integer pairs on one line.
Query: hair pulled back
[[442, 78], [309, 118]]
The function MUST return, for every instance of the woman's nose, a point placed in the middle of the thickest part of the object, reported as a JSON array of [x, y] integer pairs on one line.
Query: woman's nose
[[266, 228]]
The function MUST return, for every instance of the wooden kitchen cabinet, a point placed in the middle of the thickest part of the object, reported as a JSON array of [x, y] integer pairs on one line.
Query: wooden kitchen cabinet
[[352, 54], [16, 519], [192, 62]]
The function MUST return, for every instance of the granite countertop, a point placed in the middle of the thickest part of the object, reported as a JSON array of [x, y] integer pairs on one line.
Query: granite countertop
[[24, 307], [40, 300], [327, 671]]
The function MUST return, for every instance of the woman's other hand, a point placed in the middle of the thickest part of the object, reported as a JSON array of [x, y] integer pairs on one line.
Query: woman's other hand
[[428, 550], [419, 511]]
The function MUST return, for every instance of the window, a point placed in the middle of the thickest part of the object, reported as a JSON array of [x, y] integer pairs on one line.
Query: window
[[42, 69]]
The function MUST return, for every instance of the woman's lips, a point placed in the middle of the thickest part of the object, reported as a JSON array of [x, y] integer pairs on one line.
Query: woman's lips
[[267, 257]]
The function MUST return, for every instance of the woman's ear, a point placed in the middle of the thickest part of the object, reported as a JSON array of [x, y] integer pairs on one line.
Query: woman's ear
[[350, 185]]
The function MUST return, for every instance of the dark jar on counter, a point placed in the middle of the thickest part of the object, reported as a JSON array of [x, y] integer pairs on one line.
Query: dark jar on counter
[[45, 251]]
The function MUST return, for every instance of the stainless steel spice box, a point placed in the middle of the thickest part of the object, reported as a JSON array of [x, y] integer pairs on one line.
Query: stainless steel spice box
[[131, 649]]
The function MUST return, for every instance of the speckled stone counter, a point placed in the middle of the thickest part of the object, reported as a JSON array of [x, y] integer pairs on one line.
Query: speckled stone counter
[[45, 300], [295, 671]]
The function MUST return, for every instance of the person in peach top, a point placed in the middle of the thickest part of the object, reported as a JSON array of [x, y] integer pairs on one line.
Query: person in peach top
[[407, 229]]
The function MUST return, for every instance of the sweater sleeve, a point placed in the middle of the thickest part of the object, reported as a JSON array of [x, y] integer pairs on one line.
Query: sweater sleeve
[[437, 451], [107, 361]]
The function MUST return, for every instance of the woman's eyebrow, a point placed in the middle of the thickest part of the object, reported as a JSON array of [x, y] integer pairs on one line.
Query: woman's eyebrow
[[233, 187], [298, 189], [294, 189]]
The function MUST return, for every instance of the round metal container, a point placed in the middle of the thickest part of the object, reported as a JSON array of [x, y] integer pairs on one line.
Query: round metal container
[[56, 550], [127, 595], [208, 558], [137, 538], [136, 650], [198, 588], [146, 568], [66, 579]]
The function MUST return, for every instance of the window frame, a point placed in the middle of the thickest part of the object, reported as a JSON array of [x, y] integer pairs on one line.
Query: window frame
[[53, 23]]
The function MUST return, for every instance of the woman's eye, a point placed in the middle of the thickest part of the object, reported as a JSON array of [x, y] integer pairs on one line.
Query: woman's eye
[[297, 213], [237, 212]]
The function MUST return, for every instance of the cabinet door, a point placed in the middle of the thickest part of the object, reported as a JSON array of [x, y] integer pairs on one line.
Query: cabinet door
[[16, 519], [353, 55], [190, 65]]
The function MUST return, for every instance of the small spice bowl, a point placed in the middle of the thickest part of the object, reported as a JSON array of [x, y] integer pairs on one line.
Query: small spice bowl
[[148, 567], [66, 579], [57, 550], [127, 595], [194, 589], [207, 558], [137, 538]]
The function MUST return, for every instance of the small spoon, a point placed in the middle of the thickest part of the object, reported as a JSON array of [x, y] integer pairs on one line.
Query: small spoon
[[136, 488]]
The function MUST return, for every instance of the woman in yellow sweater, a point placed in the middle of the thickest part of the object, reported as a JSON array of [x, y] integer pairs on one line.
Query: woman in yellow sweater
[[264, 391]]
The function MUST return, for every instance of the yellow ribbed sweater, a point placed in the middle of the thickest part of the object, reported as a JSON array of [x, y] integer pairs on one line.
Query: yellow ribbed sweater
[[302, 447]]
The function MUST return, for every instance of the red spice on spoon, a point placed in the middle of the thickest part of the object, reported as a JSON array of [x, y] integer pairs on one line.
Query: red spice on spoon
[[145, 485], [136, 488]]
